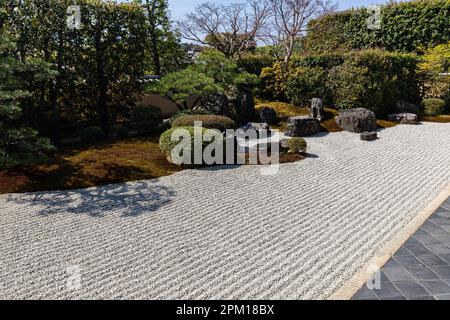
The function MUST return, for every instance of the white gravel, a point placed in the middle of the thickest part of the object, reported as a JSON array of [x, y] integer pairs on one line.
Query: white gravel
[[227, 233]]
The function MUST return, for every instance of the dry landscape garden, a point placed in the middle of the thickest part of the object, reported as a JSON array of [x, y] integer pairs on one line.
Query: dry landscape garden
[[92, 91]]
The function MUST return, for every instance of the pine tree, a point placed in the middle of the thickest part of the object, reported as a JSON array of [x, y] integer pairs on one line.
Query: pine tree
[[18, 144]]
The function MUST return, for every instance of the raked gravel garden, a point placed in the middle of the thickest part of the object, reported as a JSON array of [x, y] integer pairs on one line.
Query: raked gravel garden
[[226, 232]]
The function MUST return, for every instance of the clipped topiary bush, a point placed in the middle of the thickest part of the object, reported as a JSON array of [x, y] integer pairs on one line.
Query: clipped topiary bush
[[433, 107], [221, 123], [297, 145], [166, 144], [197, 112], [92, 134], [146, 118]]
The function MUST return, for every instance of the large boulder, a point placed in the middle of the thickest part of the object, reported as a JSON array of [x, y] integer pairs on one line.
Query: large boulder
[[357, 120], [405, 107], [302, 126], [317, 111], [404, 118]]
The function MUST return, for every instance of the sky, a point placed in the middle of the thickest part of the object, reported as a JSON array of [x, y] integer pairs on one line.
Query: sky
[[181, 7]]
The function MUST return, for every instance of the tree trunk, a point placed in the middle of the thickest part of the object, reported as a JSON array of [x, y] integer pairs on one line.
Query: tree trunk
[[153, 37]]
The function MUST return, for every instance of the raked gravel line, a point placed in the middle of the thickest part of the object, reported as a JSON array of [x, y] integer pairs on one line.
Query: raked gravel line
[[230, 233]]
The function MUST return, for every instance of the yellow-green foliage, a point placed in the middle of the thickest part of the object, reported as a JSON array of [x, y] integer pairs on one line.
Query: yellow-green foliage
[[297, 145], [435, 67]]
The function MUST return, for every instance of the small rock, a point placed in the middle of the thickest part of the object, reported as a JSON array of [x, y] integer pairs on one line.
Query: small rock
[[284, 144], [302, 126], [317, 111], [357, 120], [404, 118], [268, 115], [369, 136]]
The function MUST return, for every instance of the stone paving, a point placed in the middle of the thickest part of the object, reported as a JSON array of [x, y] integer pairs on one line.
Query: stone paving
[[420, 269]]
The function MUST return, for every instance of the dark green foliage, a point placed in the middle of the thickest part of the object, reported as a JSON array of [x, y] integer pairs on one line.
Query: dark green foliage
[[19, 144], [221, 123], [433, 107], [405, 27], [146, 118], [375, 79], [254, 63], [297, 145], [306, 83], [92, 135], [121, 131]]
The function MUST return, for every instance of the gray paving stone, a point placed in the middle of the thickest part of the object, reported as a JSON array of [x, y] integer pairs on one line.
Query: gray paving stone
[[442, 271], [411, 289], [436, 287], [387, 290], [402, 252], [443, 213], [422, 298], [439, 249], [426, 239], [418, 248], [409, 261], [442, 236], [439, 220], [395, 298], [423, 273], [364, 294], [393, 263], [397, 274], [431, 260], [446, 257], [443, 296]]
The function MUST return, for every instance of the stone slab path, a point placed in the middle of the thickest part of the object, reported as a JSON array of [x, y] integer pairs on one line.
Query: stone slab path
[[420, 269], [230, 232]]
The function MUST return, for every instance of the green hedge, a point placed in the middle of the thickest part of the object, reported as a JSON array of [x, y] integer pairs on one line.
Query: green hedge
[[433, 107], [221, 123], [405, 27]]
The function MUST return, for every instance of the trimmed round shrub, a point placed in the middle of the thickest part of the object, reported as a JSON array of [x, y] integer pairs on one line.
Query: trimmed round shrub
[[297, 145], [433, 107], [92, 134], [146, 118], [166, 144], [197, 112], [221, 123]]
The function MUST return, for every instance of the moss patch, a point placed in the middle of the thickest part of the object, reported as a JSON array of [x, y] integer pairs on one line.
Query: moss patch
[[284, 110], [383, 124], [81, 167], [440, 119]]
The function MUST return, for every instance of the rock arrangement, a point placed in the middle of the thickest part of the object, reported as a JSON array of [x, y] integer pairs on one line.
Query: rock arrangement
[[369, 136], [261, 129], [317, 111], [357, 120], [404, 118], [302, 126], [268, 115]]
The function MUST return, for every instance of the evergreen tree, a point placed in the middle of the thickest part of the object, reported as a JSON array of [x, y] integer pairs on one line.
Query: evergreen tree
[[18, 144]]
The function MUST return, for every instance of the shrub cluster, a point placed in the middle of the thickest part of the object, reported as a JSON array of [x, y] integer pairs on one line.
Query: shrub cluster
[[221, 123], [197, 112], [92, 134], [146, 118], [297, 145], [433, 107], [405, 27]]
